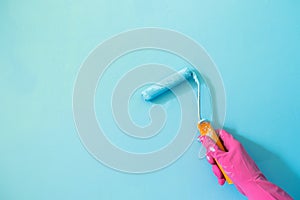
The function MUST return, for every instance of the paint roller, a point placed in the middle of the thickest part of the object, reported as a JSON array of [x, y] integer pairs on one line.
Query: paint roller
[[204, 126]]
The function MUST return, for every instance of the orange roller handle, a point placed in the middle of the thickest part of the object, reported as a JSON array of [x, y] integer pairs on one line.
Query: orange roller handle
[[205, 128]]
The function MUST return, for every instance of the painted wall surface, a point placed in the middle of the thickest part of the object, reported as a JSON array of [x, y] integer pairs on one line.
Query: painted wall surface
[[254, 44]]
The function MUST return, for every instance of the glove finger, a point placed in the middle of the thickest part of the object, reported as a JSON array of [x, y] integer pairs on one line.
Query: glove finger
[[210, 159], [217, 172], [219, 175], [212, 148], [209, 144], [227, 139], [221, 181]]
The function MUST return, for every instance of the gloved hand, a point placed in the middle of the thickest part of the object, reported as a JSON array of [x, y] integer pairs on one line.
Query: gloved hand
[[240, 168]]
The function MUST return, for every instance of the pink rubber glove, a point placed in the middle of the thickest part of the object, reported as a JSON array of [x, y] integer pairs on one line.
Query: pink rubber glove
[[241, 169]]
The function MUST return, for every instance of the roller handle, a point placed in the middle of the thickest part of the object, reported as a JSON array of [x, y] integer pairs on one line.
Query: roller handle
[[205, 128]]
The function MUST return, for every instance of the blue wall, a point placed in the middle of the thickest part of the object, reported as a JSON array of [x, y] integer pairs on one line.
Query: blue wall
[[255, 45]]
